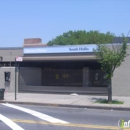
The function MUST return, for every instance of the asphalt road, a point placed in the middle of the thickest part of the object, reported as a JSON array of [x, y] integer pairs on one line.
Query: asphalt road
[[29, 117]]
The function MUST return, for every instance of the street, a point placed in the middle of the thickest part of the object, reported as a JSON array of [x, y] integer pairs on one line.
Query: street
[[30, 117]]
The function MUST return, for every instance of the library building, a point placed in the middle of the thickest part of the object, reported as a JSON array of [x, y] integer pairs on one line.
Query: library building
[[39, 68]]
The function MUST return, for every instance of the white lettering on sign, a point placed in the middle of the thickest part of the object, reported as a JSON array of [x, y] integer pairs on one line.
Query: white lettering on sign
[[35, 50], [60, 49]]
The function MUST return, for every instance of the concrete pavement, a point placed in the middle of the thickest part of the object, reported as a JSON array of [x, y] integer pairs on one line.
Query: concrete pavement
[[66, 100]]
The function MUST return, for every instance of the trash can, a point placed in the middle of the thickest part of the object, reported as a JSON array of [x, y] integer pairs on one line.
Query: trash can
[[2, 90]]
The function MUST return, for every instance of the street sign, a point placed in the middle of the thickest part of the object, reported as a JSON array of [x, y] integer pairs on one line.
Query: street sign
[[19, 58]]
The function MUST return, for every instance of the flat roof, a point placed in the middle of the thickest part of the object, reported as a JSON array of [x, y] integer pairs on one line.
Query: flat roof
[[11, 48]]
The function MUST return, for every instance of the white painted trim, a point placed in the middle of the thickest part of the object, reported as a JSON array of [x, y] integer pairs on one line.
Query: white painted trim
[[37, 114], [10, 123]]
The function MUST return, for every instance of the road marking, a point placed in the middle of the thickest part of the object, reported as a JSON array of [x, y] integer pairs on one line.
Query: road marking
[[36, 114], [10, 123], [68, 125]]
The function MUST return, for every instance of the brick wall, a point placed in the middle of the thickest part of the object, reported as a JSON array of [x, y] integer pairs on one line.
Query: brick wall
[[32, 40]]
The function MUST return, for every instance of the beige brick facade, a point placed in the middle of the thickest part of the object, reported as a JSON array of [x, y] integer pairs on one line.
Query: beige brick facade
[[121, 79]]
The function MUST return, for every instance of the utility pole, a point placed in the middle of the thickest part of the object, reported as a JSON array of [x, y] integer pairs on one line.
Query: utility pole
[[15, 79], [17, 60]]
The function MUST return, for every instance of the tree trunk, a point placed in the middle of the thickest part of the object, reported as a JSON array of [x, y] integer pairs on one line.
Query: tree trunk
[[109, 91]]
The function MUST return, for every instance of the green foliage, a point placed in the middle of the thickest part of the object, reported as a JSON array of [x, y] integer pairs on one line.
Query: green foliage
[[82, 37], [111, 56], [104, 101]]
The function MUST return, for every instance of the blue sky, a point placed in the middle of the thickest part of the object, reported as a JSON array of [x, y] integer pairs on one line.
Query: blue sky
[[47, 19]]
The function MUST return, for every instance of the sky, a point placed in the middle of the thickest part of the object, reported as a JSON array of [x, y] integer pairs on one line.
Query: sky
[[46, 19]]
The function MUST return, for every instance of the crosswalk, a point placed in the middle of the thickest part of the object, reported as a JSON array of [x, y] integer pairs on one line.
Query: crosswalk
[[37, 114], [37, 119], [10, 123], [42, 116]]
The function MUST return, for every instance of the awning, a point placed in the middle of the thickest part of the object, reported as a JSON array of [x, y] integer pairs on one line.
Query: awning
[[60, 58]]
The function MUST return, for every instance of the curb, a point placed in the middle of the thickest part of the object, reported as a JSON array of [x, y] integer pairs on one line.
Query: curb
[[71, 106]]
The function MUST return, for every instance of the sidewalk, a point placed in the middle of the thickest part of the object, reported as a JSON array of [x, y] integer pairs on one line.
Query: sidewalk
[[66, 100]]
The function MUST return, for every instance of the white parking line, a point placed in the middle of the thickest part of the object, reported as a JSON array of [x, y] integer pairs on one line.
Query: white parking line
[[37, 114], [10, 123]]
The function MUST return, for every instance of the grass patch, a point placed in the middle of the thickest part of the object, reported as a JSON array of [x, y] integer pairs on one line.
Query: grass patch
[[104, 101]]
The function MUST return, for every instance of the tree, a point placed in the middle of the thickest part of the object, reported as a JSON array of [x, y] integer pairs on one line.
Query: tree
[[82, 37], [110, 57]]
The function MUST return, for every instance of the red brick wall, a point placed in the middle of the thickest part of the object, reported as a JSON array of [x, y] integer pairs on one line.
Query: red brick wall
[[32, 40]]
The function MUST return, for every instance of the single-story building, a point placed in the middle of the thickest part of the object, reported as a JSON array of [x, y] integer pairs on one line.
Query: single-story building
[[36, 67]]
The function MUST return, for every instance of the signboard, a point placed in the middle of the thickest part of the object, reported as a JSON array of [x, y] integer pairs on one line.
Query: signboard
[[59, 49], [19, 58]]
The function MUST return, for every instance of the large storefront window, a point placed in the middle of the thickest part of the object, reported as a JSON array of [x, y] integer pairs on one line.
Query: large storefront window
[[97, 78], [69, 74], [62, 77]]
